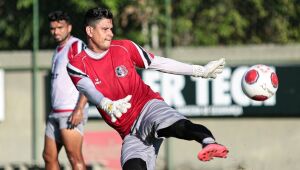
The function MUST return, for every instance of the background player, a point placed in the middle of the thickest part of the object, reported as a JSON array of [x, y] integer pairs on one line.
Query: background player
[[105, 73], [69, 109]]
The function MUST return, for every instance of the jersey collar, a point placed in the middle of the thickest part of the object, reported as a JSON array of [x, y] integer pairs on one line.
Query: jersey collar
[[94, 55]]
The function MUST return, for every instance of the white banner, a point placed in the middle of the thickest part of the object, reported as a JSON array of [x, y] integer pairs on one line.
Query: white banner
[[2, 95]]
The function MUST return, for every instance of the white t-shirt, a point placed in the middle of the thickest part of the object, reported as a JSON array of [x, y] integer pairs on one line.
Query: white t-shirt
[[64, 95]]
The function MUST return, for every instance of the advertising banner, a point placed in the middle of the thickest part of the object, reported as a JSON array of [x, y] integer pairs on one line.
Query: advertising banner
[[223, 96]]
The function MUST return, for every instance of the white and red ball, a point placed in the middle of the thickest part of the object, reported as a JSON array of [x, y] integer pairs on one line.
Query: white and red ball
[[260, 82]]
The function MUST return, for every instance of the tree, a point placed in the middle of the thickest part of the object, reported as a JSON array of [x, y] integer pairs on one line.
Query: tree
[[209, 22]]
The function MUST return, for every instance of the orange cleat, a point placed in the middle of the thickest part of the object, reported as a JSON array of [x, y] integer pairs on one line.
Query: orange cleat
[[212, 150]]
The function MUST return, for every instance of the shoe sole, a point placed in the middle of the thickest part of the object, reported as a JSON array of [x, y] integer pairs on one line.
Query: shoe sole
[[211, 151]]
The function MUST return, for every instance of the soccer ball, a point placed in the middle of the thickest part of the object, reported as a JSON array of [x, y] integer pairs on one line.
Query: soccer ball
[[260, 82]]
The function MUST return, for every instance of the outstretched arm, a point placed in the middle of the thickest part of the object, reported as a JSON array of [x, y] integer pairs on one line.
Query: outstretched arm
[[84, 85], [171, 66], [114, 108]]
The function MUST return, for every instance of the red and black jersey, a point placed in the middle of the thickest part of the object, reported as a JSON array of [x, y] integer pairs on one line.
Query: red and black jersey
[[114, 75]]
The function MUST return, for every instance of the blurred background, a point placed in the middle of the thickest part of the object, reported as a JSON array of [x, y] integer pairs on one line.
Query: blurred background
[[259, 135]]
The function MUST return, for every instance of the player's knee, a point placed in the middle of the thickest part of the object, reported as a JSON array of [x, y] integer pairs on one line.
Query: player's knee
[[75, 157], [135, 164], [48, 157]]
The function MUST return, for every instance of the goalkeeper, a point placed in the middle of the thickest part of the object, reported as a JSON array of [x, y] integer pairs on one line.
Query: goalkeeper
[[105, 73]]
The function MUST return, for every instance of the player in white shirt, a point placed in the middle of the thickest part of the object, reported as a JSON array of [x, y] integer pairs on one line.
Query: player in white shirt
[[69, 108]]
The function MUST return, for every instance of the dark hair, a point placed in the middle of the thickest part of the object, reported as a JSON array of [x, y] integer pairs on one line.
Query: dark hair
[[59, 16], [94, 14]]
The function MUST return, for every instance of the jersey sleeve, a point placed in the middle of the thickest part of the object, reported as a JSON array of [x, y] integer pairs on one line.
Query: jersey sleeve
[[75, 48], [171, 66], [83, 83], [76, 70], [140, 57]]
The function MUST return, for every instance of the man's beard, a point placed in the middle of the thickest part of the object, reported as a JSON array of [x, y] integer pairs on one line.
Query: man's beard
[[63, 39]]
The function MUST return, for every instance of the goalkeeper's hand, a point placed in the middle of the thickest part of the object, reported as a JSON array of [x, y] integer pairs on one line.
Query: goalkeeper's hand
[[115, 108], [210, 70]]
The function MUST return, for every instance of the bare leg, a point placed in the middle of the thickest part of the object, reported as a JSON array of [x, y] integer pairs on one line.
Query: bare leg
[[50, 154], [73, 140]]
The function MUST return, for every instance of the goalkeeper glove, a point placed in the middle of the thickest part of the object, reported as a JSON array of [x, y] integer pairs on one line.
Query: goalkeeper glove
[[210, 70], [115, 108]]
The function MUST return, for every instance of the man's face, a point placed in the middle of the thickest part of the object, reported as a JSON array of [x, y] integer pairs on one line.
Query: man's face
[[60, 30], [101, 35]]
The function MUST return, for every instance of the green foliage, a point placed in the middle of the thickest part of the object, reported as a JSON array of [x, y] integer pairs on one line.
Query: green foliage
[[24, 4], [194, 22]]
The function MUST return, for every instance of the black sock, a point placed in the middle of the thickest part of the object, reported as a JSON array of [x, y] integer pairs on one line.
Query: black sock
[[185, 129], [135, 164]]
